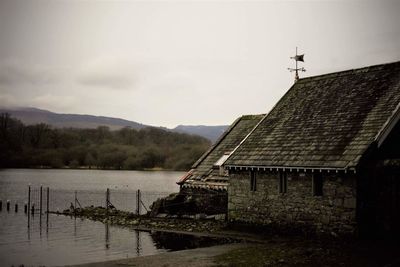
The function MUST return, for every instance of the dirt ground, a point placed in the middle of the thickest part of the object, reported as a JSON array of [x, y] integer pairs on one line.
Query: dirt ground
[[286, 252], [184, 258]]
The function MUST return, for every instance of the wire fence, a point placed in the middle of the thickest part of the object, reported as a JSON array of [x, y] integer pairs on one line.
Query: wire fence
[[41, 200], [135, 201]]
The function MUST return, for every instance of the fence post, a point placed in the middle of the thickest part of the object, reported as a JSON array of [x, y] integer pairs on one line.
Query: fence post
[[138, 200], [29, 206], [75, 202], [107, 199], [47, 209], [41, 200], [48, 201]]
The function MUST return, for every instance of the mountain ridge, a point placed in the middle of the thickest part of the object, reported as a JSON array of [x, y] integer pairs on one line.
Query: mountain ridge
[[32, 115]]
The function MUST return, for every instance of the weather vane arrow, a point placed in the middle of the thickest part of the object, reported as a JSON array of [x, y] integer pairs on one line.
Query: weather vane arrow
[[297, 58]]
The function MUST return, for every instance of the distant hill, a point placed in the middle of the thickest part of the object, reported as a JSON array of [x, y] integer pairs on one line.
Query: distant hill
[[210, 132], [31, 116]]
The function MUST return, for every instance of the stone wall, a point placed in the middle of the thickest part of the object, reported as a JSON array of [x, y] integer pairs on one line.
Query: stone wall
[[192, 201], [334, 212]]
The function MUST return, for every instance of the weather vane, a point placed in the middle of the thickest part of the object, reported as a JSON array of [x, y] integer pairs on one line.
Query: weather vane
[[297, 58]]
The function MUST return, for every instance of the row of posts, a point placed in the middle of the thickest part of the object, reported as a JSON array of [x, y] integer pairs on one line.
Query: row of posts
[[139, 202], [29, 208], [31, 205], [8, 205]]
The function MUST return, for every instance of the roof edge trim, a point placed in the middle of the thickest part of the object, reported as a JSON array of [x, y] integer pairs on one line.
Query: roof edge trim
[[388, 126], [348, 71], [285, 168]]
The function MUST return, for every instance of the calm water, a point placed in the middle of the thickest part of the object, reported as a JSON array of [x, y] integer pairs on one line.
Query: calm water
[[63, 240], [90, 186]]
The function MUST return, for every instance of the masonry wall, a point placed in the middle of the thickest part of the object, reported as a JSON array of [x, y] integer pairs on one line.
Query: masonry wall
[[298, 209]]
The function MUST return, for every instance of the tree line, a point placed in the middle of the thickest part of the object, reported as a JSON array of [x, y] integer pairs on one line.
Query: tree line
[[41, 146]]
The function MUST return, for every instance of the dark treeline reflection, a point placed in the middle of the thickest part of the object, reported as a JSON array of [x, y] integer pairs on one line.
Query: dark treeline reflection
[[42, 146]]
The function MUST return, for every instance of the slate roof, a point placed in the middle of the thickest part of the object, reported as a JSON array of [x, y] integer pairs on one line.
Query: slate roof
[[325, 121], [202, 174]]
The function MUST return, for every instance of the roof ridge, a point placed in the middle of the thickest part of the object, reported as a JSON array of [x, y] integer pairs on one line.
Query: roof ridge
[[348, 71]]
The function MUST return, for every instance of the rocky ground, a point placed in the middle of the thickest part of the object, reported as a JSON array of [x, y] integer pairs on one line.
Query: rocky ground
[[129, 219], [253, 248]]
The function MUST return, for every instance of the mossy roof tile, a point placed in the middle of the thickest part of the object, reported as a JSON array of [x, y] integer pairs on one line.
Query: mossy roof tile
[[327, 121]]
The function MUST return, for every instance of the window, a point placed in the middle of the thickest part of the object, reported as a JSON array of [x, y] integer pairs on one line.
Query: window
[[219, 164], [282, 182], [253, 181], [317, 184]]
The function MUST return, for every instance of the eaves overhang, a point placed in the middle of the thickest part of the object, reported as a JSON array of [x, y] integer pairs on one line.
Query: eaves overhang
[[291, 168]]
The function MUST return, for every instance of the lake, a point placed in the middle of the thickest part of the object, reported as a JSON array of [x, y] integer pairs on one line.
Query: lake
[[61, 240]]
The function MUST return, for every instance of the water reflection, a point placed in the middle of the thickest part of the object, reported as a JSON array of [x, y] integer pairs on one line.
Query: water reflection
[[107, 235], [138, 246], [30, 217], [47, 239], [137, 238], [62, 240], [175, 241]]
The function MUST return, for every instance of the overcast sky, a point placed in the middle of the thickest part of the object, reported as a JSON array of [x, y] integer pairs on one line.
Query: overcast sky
[[168, 63]]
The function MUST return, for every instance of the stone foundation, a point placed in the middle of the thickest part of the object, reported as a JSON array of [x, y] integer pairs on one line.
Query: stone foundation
[[192, 201], [333, 213]]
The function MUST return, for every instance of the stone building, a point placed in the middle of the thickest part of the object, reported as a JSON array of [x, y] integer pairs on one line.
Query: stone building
[[326, 158], [207, 181]]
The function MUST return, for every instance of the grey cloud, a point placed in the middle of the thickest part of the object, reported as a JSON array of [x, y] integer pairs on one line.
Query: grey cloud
[[105, 80], [14, 72], [107, 74]]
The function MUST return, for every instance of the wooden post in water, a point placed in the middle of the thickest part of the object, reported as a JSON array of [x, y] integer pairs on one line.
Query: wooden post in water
[[8, 205], [47, 209], [41, 200], [1, 204], [75, 202], [16, 207], [138, 202], [29, 206], [107, 199], [25, 208], [48, 200]]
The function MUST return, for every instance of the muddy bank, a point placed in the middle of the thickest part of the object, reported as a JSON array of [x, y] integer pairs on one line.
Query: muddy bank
[[201, 257], [273, 252], [258, 248]]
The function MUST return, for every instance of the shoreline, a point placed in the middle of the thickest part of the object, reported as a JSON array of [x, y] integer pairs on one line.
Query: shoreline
[[198, 257], [250, 249]]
